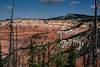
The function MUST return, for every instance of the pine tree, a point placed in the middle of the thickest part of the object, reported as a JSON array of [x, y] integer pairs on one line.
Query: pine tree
[[71, 58], [31, 59]]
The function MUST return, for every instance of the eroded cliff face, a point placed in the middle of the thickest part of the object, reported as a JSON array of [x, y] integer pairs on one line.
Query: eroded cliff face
[[41, 32]]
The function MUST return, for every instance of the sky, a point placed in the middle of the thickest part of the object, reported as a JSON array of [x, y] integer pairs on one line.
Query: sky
[[45, 8]]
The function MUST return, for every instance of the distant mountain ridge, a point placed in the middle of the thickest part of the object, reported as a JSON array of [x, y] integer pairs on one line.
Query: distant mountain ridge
[[75, 17]]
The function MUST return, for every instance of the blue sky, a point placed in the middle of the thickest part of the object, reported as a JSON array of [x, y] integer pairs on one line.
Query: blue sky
[[45, 8]]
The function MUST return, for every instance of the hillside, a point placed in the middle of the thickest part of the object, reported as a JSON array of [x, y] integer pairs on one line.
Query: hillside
[[50, 39], [79, 17]]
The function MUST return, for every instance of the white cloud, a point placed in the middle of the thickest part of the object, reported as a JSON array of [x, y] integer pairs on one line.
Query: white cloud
[[51, 1], [93, 6], [9, 7], [74, 3]]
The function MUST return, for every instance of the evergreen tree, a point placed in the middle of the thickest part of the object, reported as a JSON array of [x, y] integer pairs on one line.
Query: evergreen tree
[[31, 54], [31, 59], [71, 58], [60, 56]]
